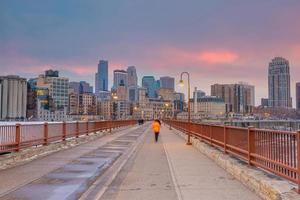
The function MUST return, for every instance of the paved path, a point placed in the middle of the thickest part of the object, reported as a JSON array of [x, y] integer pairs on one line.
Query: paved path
[[166, 170], [66, 173], [171, 170]]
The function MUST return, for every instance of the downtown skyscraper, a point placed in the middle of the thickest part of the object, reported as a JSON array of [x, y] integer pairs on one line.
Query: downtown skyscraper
[[132, 76], [298, 96], [279, 83], [101, 77]]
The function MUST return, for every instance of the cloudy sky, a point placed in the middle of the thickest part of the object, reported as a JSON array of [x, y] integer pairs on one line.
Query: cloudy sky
[[217, 41]]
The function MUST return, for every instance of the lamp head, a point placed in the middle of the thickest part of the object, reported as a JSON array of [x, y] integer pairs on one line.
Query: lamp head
[[181, 83]]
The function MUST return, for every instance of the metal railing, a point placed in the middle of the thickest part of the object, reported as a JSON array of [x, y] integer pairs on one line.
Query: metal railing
[[273, 151], [18, 136]]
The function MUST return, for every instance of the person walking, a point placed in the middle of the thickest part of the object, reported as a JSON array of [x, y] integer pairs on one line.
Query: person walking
[[156, 128]]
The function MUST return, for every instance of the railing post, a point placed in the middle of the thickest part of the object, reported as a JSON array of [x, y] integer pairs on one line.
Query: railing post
[[298, 159], [77, 129], [87, 128], [64, 131], [18, 136], [210, 134], [225, 138], [110, 125], [251, 143], [45, 133]]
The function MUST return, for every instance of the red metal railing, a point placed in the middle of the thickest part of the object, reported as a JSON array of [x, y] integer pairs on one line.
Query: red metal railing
[[274, 151], [16, 137]]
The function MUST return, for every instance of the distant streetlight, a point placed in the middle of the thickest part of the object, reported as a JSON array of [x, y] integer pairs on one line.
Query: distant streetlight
[[181, 84], [114, 96]]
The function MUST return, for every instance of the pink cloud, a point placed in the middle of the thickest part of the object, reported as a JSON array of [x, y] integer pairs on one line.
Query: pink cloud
[[218, 57], [209, 57]]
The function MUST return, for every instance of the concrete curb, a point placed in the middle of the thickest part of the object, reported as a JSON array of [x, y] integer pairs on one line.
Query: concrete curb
[[268, 186]]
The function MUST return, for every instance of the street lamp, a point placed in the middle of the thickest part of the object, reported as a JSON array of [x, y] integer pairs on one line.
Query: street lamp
[[181, 84]]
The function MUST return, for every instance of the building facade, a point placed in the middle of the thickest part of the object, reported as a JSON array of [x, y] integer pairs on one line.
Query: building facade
[[298, 96], [13, 97], [264, 102], [239, 98], [81, 87], [133, 94], [101, 77], [279, 83], [167, 82], [209, 106], [150, 84], [58, 88], [166, 94], [198, 93], [104, 109], [132, 76], [120, 78]]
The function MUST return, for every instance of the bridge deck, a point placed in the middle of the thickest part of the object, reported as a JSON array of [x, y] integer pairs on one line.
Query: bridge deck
[[165, 170]]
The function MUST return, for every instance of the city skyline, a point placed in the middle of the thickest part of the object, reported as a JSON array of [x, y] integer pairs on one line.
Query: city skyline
[[72, 37]]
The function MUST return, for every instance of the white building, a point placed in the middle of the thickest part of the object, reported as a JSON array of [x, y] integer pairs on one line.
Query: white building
[[13, 97], [209, 105]]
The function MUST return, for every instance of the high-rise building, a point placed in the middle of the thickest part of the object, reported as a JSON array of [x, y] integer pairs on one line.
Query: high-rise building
[[81, 87], [264, 102], [298, 96], [239, 98], [13, 97], [120, 78], [133, 93], [58, 88], [132, 76], [101, 77], [198, 93], [279, 83], [178, 102], [150, 84], [167, 82]]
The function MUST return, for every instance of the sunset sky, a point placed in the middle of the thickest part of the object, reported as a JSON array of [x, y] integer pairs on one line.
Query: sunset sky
[[217, 41]]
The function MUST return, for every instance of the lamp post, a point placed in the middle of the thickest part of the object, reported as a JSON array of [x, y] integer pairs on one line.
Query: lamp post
[[181, 84], [114, 97]]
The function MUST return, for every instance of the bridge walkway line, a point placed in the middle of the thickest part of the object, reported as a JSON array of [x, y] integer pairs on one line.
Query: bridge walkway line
[[170, 169]]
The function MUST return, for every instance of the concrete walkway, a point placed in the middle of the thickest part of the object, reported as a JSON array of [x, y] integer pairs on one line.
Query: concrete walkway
[[171, 170], [23, 175]]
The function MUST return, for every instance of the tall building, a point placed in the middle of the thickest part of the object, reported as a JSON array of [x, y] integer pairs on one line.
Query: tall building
[[264, 102], [298, 96], [167, 82], [58, 87], [13, 97], [239, 98], [279, 83], [133, 93], [132, 76], [178, 102], [120, 78], [81, 87], [150, 84], [198, 93], [101, 77]]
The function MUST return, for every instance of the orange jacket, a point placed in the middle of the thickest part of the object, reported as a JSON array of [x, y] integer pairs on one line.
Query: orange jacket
[[155, 127]]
